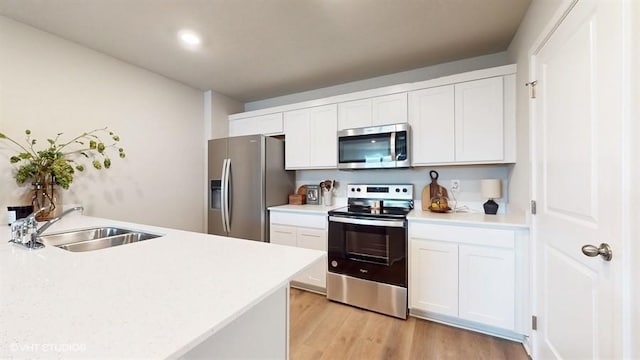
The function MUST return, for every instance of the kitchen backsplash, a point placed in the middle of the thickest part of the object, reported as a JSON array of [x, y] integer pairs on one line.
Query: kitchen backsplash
[[469, 177]]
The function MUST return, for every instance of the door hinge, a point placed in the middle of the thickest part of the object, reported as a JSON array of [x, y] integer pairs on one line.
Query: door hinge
[[532, 88], [534, 322], [533, 207]]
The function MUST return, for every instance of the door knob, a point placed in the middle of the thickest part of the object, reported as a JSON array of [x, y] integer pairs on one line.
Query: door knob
[[604, 250]]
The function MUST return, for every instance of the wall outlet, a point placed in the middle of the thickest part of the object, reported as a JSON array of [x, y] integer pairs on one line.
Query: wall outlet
[[455, 186]]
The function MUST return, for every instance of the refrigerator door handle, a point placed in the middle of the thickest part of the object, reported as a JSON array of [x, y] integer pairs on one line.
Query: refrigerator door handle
[[229, 195], [224, 195], [225, 205]]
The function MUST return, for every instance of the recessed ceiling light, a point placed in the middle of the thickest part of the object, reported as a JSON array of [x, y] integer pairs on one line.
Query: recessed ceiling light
[[189, 38]]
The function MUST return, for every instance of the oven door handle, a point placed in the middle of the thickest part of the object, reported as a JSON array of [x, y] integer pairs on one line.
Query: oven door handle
[[380, 223]]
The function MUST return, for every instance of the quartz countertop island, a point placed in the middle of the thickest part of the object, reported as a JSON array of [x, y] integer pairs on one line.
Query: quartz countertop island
[[158, 298]]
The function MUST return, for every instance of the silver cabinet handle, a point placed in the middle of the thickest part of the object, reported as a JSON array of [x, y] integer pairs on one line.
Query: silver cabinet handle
[[604, 250]]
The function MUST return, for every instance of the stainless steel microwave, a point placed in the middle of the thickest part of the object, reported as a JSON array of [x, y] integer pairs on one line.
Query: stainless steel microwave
[[386, 146]]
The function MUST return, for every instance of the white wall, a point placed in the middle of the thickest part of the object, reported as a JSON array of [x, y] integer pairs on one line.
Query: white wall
[[425, 73], [221, 107], [51, 85], [536, 18]]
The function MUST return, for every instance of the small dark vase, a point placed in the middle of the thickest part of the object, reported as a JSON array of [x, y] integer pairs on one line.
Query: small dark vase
[[490, 207]]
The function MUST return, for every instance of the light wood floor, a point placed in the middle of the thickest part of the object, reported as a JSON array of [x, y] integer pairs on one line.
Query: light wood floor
[[321, 329]]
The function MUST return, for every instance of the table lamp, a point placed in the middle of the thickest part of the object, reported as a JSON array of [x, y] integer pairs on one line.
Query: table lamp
[[492, 189]]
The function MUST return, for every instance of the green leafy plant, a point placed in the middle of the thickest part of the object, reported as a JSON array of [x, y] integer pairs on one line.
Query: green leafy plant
[[60, 160]]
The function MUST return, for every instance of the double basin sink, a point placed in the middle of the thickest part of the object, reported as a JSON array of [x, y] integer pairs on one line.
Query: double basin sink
[[94, 238]]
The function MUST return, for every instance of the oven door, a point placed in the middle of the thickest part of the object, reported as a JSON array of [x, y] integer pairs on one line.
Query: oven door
[[371, 249]]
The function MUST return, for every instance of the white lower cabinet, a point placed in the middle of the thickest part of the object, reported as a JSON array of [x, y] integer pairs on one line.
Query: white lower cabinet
[[468, 276], [435, 291], [487, 285], [311, 235]]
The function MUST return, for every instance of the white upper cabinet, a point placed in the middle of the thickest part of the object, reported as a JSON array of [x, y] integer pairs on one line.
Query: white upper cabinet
[[479, 120], [390, 109], [297, 134], [311, 141], [432, 123], [381, 110], [466, 122], [460, 119], [354, 114], [270, 124]]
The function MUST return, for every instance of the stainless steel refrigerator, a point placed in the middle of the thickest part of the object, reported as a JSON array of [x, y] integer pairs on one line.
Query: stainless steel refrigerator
[[246, 176]]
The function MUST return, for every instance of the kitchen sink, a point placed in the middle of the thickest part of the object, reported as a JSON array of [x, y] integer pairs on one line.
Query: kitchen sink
[[94, 238]]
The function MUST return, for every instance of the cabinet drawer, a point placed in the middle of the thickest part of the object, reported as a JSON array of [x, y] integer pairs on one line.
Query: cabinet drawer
[[463, 235], [316, 221], [282, 235], [312, 239]]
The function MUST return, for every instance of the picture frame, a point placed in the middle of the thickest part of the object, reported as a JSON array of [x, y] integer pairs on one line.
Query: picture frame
[[313, 194]]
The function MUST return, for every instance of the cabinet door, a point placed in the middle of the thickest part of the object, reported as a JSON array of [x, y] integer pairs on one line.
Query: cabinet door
[[266, 124], [389, 109], [479, 120], [296, 131], [487, 285], [283, 235], [432, 124], [354, 114], [433, 277], [317, 274], [322, 139]]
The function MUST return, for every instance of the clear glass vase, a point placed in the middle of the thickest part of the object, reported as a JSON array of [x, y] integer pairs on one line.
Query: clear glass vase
[[44, 197]]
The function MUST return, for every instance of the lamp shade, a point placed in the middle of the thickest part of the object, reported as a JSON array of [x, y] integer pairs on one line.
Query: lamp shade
[[491, 188]]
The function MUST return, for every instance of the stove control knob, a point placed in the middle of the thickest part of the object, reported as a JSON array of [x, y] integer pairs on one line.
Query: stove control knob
[[404, 190], [397, 190], [353, 189], [334, 263], [358, 190]]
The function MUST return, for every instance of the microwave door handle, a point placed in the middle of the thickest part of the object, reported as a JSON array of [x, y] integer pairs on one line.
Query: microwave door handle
[[392, 144]]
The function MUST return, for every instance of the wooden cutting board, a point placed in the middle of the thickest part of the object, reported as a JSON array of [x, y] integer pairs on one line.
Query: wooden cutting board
[[435, 190]]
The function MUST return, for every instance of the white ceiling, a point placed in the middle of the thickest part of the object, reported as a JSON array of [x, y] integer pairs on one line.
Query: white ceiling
[[256, 49]]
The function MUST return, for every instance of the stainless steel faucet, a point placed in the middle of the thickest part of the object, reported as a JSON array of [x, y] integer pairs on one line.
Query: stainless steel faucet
[[54, 220], [25, 231]]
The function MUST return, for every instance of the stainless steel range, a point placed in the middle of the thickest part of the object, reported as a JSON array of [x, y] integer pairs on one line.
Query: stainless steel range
[[367, 248]]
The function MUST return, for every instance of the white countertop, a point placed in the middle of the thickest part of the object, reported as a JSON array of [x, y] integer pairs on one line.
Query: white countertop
[[314, 209], [153, 299], [516, 220], [512, 220]]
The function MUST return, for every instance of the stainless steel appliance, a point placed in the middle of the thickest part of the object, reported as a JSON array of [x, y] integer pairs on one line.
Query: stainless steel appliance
[[386, 146], [367, 248], [246, 175]]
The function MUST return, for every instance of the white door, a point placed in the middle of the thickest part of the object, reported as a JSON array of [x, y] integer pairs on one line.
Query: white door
[[577, 156]]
